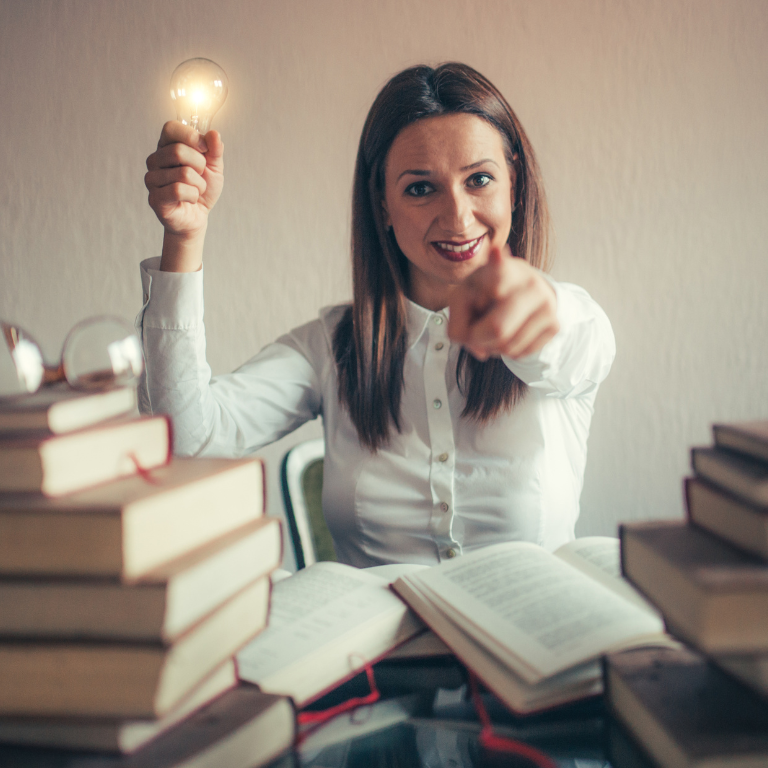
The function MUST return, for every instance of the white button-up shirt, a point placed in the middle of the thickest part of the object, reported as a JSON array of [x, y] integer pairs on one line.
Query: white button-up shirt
[[444, 484]]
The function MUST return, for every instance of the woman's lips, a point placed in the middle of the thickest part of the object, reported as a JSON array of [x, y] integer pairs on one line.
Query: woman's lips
[[458, 251]]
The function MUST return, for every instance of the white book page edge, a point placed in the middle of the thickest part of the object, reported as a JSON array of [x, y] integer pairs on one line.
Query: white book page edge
[[622, 619]]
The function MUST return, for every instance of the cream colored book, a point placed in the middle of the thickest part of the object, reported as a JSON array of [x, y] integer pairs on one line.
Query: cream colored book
[[113, 735], [326, 622], [532, 624], [242, 728], [160, 607], [60, 409], [126, 529], [58, 464], [122, 680]]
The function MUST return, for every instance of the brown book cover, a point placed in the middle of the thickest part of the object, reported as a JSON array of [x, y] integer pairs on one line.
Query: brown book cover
[[736, 473], [131, 526], [749, 437], [709, 592], [244, 728], [737, 521], [684, 711]]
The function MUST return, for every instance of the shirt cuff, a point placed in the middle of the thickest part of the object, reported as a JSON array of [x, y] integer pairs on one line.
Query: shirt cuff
[[172, 300]]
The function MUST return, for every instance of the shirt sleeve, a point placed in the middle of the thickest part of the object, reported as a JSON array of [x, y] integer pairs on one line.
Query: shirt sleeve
[[579, 356], [231, 415]]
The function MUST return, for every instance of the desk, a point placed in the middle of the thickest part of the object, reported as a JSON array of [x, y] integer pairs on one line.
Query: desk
[[435, 728], [440, 730]]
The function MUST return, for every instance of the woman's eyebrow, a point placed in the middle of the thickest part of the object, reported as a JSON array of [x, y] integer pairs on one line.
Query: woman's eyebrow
[[419, 172], [479, 163], [414, 172]]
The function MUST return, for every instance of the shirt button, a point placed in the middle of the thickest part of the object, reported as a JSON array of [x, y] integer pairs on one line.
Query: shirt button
[[451, 553], [444, 507], [443, 457], [437, 403], [439, 345], [438, 320]]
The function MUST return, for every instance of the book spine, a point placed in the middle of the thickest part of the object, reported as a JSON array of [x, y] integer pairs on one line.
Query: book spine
[[169, 424], [622, 550]]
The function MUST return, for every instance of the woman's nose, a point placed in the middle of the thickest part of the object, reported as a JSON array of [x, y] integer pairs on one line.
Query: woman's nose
[[457, 214]]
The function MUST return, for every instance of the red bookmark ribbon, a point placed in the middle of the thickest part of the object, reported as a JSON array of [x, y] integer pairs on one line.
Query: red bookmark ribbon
[[493, 741], [316, 719], [142, 472]]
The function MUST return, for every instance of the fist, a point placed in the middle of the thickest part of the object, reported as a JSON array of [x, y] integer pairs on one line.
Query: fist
[[503, 308], [185, 176]]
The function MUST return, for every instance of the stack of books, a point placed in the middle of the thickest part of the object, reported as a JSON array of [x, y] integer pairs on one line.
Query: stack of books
[[128, 582], [708, 576]]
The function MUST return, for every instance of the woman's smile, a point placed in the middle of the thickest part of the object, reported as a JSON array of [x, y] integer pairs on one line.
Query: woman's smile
[[462, 251]]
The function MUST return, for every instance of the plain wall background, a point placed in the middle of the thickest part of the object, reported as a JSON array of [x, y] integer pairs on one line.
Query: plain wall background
[[649, 119]]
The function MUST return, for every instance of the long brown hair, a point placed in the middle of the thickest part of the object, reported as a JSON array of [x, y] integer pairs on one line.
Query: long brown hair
[[370, 341]]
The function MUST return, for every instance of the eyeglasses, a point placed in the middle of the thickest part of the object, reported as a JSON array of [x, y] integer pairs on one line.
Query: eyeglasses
[[98, 353]]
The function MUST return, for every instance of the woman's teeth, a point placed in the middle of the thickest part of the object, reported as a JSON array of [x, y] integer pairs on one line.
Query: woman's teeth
[[460, 248]]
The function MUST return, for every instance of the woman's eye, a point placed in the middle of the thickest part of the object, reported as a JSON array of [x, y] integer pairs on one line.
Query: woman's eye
[[419, 189], [480, 180]]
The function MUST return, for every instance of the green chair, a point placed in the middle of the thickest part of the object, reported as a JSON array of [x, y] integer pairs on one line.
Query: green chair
[[301, 480]]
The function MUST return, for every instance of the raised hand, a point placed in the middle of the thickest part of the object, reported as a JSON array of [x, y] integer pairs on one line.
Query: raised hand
[[505, 308], [185, 176]]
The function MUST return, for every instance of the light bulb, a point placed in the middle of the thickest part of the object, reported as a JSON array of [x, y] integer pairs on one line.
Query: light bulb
[[198, 88]]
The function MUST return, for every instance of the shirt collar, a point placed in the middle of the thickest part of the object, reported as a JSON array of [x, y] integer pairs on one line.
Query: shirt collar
[[418, 319]]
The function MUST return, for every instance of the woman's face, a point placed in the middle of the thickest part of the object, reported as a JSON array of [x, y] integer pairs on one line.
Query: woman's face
[[448, 196]]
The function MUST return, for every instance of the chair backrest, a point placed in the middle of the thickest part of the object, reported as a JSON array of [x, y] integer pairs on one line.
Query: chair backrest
[[301, 478]]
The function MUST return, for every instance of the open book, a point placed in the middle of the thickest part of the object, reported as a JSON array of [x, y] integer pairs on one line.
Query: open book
[[530, 624], [326, 622]]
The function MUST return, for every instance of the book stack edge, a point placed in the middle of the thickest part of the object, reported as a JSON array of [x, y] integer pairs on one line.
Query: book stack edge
[[128, 582], [706, 704]]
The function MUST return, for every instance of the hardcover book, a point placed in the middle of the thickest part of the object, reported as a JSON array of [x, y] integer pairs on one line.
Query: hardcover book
[[60, 409], [244, 728], [685, 712], [119, 680], [531, 624], [737, 521], [749, 437], [710, 593], [736, 473], [105, 734], [160, 607], [126, 529], [58, 464]]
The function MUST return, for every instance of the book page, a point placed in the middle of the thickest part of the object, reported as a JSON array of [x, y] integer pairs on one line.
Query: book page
[[312, 609], [599, 557], [535, 612], [520, 696], [394, 571]]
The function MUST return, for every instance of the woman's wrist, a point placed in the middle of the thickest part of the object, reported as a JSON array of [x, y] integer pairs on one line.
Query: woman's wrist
[[182, 253]]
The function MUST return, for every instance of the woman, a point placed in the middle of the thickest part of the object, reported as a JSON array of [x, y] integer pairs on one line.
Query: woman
[[457, 389]]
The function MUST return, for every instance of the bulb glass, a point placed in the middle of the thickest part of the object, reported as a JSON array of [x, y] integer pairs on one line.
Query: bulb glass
[[198, 89]]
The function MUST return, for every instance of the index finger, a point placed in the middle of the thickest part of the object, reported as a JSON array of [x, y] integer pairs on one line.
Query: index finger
[[175, 132]]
